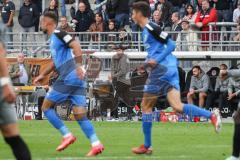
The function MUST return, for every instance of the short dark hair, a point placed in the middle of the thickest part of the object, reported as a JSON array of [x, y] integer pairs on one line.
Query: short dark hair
[[52, 16], [196, 67], [224, 65], [142, 7]]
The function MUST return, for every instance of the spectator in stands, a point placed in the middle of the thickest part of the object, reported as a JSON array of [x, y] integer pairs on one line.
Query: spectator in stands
[[178, 6], [21, 71], [236, 14], [28, 15], [83, 18], [157, 18], [199, 86], [53, 7], [187, 39], [7, 13], [111, 27], [124, 38], [190, 13], [224, 13], [205, 16], [63, 7], [64, 24], [221, 91], [38, 5], [176, 25], [97, 26], [166, 7], [233, 88], [237, 37], [122, 12]]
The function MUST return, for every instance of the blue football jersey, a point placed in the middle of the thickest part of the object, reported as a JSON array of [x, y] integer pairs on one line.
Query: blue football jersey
[[63, 58], [158, 51]]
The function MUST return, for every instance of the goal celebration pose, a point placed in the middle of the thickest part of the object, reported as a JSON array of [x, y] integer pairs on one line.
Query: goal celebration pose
[[163, 76], [66, 54]]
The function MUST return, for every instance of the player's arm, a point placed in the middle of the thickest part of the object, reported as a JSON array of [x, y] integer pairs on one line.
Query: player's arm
[[5, 82], [47, 71], [163, 38]]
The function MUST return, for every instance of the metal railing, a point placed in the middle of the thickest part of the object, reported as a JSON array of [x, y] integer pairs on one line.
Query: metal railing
[[35, 44]]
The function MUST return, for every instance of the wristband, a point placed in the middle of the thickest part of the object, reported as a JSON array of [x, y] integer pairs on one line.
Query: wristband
[[5, 80]]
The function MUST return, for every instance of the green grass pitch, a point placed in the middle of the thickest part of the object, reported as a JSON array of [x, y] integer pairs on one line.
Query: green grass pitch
[[171, 141]]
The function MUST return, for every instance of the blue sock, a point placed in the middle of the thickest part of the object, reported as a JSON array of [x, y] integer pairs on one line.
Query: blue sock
[[147, 129], [88, 129], [193, 110], [56, 121]]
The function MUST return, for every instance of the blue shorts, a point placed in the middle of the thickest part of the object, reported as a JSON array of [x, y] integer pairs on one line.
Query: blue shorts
[[161, 79], [61, 92]]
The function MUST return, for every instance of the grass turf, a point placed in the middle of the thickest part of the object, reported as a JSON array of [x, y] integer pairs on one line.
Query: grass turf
[[186, 141]]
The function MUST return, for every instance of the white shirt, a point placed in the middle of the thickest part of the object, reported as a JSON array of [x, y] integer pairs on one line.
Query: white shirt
[[24, 76]]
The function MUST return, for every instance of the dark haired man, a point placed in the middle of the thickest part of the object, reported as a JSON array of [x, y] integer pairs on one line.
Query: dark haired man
[[67, 60], [163, 76]]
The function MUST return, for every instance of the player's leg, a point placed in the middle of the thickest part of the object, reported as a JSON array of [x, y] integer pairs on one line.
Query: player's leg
[[148, 102], [80, 114], [174, 100], [54, 119], [10, 132], [202, 97]]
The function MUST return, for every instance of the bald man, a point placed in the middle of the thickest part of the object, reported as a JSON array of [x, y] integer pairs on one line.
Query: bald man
[[21, 71]]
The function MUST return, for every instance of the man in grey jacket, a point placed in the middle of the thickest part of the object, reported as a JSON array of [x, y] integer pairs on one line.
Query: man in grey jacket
[[235, 74], [200, 84], [119, 70]]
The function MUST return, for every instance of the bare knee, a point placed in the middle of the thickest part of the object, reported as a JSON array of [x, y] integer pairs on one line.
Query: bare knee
[[79, 113], [10, 130]]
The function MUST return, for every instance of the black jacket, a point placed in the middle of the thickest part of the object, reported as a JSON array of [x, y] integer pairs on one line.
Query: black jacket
[[55, 11], [121, 6], [85, 19], [28, 15]]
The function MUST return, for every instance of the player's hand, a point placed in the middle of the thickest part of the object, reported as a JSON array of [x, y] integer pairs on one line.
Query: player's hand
[[81, 72], [8, 94], [38, 79], [152, 63]]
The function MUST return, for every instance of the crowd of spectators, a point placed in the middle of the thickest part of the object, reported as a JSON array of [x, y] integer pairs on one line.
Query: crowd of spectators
[[115, 16]]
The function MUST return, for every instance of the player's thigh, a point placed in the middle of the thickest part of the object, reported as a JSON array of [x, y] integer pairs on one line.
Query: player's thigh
[[8, 120], [10, 130], [53, 97], [174, 99], [148, 102]]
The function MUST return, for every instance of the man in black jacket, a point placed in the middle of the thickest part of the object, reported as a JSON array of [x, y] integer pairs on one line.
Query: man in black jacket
[[122, 12], [27, 18]]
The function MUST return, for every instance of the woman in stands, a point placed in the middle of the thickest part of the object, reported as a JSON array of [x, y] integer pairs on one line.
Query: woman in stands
[[53, 7], [190, 14]]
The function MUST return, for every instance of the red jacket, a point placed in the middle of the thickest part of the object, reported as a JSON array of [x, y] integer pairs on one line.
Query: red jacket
[[209, 16]]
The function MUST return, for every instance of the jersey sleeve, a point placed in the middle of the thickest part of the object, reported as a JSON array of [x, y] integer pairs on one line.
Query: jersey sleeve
[[12, 6], [157, 32], [64, 37]]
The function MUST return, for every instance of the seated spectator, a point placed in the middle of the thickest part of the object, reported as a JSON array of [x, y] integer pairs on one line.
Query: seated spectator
[[157, 18], [97, 26], [111, 27], [205, 16], [236, 14], [122, 11], [199, 86], [176, 25], [221, 91], [83, 18], [27, 18], [53, 7], [166, 7], [64, 26], [190, 13], [233, 88], [187, 39], [21, 71]]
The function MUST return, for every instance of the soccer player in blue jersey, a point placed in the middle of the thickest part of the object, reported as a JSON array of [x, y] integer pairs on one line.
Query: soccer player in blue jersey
[[66, 54], [163, 76]]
